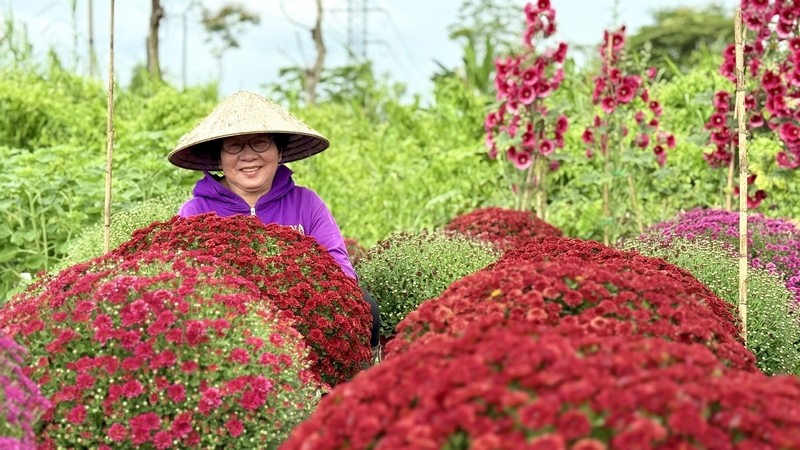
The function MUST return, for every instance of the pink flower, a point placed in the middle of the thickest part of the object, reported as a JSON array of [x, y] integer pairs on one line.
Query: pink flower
[[642, 140], [162, 440], [785, 161], [561, 53], [132, 388], [117, 432], [608, 104], [234, 426], [756, 121], [656, 108], [77, 415], [526, 95], [588, 136], [177, 393], [639, 117], [770, 80], [84, 381], [718, 120], [543, 89], [721, 101], [530, 76], [625, 94], [546, 147], [651, 72], [491, 121], [562, 124], [522, 160], [789, 132], [661, 155]]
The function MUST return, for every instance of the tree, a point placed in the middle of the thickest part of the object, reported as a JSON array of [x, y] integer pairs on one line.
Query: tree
[[156, 14], [312, 74], [679, 32], [224, 25]]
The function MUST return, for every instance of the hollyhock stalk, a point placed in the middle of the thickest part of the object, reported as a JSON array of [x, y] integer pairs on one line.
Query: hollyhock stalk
[[523, 124], [619, 92]]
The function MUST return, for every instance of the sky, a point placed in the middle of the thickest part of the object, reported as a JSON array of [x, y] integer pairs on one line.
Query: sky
[[408, 36]]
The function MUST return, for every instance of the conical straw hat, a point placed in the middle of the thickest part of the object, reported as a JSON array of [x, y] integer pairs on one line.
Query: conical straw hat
[[244, 113]]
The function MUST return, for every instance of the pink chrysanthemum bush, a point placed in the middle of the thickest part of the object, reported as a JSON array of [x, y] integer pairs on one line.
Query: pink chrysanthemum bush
[[292, 271], [161, 351], [520, 387], [21, 401], [506, 228], [596, 299]]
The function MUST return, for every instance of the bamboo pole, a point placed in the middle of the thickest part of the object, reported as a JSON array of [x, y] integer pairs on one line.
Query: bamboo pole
[[607, 151], [729, 194], [739, 113], [109, 136], [91, 40]]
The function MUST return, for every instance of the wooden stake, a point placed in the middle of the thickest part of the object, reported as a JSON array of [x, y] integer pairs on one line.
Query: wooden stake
[[739, 113], [606, 147], [109, 136], [729, 194]]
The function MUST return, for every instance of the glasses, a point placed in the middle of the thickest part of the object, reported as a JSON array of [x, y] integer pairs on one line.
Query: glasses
[[259, 144]]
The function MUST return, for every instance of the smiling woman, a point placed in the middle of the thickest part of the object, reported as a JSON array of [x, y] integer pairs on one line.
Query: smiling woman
[[249, 138]]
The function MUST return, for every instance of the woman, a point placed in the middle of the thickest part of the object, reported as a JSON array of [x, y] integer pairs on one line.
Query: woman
[[249, 138]]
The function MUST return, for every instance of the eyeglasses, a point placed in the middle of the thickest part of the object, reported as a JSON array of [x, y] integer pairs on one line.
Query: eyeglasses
[[259, 144]]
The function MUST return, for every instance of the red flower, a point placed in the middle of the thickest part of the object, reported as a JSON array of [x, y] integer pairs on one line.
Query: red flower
[[504, 227], [77, 415], [117, 432], [234, 427], [501, 386]]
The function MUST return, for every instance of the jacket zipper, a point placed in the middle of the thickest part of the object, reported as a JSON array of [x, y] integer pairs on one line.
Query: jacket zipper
[[252, 210]]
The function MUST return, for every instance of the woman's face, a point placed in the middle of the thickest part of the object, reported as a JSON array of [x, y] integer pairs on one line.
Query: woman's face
[[249, 163]]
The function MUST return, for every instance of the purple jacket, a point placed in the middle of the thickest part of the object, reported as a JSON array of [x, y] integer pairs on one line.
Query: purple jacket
[[285, 204]]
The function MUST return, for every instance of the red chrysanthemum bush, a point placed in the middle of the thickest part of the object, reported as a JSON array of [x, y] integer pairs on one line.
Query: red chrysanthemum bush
[[355, 251], [595, 299], [552, 248], [291, 270], [519, 387], [161, 351], [507, 228]]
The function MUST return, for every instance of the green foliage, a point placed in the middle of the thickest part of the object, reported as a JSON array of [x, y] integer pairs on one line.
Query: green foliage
[[677, 33], [404, 270], [52, 158], [89, 243], [394, 167], [773, 329]]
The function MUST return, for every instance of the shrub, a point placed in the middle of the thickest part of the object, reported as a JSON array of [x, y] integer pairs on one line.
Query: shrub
[[291, 270], [773, 328], [773, 244], [549, 248], [404, 270], [89, 244], [602, 301], [21, 402], [514, 388], [161, 349], [507, 228]]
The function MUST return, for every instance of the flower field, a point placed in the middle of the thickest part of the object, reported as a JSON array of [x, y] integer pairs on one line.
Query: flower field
[[556, 266]]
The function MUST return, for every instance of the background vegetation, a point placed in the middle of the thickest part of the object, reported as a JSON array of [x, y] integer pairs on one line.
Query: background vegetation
[[395, 165]]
